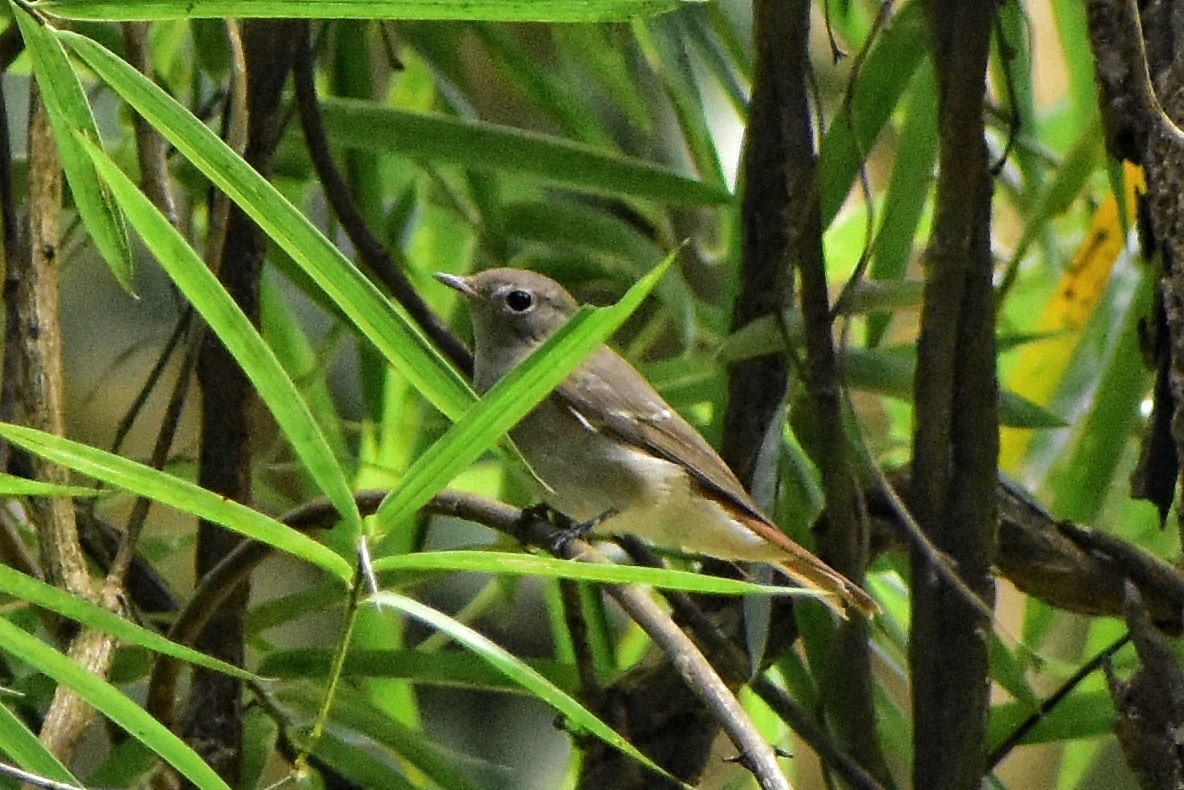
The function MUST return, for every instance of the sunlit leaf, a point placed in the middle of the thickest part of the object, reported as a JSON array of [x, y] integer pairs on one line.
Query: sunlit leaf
[[111, 703], [499, 10], [70, 115]]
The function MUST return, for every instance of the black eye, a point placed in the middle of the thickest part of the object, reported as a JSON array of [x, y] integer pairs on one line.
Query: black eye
[[519, 301]]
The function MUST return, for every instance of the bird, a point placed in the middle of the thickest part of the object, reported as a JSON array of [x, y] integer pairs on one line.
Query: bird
[[613, 454]]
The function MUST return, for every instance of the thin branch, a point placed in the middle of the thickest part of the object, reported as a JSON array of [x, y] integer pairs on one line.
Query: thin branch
[[733, 664], [1016, 736], [150, 146], [685, 656], [372, 252], [591, 690], [43, 395], [236, 120], [34, 780], [170, 424], [816, 736], [636, 602]]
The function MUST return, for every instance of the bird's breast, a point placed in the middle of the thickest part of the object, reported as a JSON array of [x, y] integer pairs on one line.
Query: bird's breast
[[589, 473]]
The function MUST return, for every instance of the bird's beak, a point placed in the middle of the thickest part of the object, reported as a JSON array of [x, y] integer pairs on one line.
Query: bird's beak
[[457, 283]]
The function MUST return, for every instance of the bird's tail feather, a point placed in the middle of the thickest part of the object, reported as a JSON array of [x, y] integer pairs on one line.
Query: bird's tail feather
[[838, 592]]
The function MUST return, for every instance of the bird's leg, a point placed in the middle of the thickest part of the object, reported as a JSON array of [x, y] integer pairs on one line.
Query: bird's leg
[[566, 529]]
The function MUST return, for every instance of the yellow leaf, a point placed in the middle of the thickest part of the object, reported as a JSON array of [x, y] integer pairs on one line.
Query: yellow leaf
[[1042, 364]]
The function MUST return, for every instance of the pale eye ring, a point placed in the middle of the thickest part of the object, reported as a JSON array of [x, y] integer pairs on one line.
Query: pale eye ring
[[519, 301]]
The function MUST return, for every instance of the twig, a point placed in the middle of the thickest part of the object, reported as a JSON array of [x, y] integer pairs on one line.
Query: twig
[[996, 755], [636, 602], [370, 249], [34, 780], [170, 423], [571, 599], [236, 134], [150, 147], [731, 661], [685, 656], [43, 395], [817, 737]]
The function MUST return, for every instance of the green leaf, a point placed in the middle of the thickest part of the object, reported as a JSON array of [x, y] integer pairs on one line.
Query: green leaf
[[868, 296], [72, 120], [1081, 479], [530, 565], [11, 485], [111, 703], [883, 77], [382, 322], [287, 338], [713, 45], [238, 335], [908, 189], [517, 60], [359, 766], [873, 370], [46, 596], [492, 10], [1074, 41], [28, 753], [442, 139], [178, 493], [567, 223], [893, 374], [662, 42], [353, 712], [1070, 180], [511, 399], [452, 668], [575, 713], [597, 53], [1083, 714]]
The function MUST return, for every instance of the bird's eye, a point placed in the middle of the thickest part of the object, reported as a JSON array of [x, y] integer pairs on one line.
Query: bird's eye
[[519, 301]]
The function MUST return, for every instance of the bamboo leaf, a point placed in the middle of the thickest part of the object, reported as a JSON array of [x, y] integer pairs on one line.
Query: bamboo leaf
[[511, 399], [385, 325], [111, 703], [444, 139], [451, 668], [518, 564], [11, 485], [238, 335], [19, 743], [175, 492], [515, 669], [883, 77], [491, 10], [72, 120], [38, 593]]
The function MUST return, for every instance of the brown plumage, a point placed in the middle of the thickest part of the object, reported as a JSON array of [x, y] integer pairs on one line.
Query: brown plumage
[[605, 440]]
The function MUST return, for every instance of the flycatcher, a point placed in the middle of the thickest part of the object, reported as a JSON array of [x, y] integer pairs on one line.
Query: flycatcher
[[605, 442]]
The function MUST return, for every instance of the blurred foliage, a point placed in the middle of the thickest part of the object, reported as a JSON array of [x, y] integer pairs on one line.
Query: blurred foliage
[[590, 151]]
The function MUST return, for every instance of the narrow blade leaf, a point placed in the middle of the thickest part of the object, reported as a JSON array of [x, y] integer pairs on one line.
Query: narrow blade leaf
[[70, 115], [178, 493]]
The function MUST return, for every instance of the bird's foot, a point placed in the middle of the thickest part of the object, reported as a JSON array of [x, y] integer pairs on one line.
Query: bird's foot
[[566, 528]]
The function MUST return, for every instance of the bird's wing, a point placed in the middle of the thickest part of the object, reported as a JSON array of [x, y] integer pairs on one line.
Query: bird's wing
[[641, 418]]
